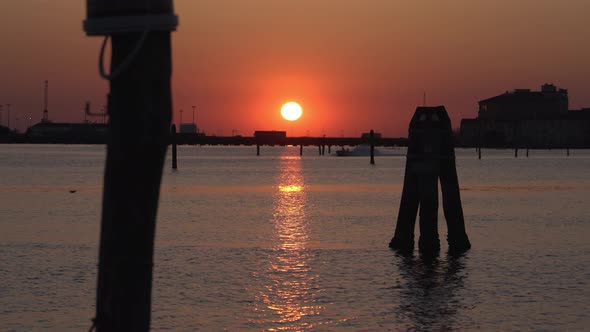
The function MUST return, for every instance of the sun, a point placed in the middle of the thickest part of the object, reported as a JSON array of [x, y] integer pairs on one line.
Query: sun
[[291, 111]]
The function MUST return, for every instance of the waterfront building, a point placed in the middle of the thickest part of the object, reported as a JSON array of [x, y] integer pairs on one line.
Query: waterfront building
[[528, 119], [55, 132]]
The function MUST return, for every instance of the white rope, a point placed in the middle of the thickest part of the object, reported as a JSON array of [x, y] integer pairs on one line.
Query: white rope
[[125, 62]]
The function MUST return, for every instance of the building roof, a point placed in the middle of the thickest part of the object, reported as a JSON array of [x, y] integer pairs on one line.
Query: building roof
[[526, 95], [516, 96]]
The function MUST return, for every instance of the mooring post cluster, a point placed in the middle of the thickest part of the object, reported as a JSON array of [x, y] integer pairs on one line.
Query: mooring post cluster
[[430, 158]]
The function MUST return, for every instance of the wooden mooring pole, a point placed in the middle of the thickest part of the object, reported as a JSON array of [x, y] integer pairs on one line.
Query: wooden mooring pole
[[173, 139], [301, 150], [140, 94], [372, 139], [140, 112], [430, 157], [479, 141]]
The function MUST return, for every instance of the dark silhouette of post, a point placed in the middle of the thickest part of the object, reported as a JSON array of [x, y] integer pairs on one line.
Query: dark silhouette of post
[[194, 107], [8, 116], [135, 157], [173, 139], [301, 150], [517, 137], [430, 157], [372, 142], [479, 141], [140, 111]]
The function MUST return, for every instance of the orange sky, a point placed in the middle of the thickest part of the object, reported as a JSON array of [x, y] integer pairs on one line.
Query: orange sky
[[353, 65]]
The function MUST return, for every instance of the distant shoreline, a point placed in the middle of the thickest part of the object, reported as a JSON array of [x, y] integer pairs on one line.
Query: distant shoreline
[[198, 139]]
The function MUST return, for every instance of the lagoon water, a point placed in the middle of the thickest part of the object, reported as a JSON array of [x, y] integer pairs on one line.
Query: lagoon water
[[282, 242]]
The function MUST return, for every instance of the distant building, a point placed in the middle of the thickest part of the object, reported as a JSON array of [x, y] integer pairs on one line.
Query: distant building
[[270, 137], [54, 132], [270, 134], [526, 104], [525, 118], [4, 133], [188, 128]]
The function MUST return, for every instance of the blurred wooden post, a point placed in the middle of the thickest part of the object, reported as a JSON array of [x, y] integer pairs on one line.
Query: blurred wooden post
[[479, 154], [372, 140], [527, 152], [329, 149], [173, 138], [301, 150], [140, 112], [515, 152], [139, 127], [258, 149], [430, 156], [320, 150], [568, 152]]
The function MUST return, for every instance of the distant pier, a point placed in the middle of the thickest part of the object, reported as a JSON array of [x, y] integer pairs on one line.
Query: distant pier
[[92, 136], [194, 139]]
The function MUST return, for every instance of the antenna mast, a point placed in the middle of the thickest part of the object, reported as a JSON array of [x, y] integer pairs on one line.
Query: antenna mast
[[45, 111]]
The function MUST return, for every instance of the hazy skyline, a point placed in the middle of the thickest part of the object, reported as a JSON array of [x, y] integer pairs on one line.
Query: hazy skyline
[[352, 65]]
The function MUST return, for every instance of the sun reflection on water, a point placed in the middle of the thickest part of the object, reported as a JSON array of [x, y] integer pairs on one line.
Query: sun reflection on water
[[290, 283], [290, 188]]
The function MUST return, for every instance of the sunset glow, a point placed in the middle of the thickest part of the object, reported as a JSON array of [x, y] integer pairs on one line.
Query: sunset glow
[[357, 65], [291, 111]]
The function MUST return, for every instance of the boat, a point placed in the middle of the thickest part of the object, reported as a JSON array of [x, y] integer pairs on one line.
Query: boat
[[359, 150], [365, 150]]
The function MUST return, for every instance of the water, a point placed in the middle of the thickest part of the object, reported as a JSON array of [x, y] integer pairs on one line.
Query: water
[[279, 242]]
